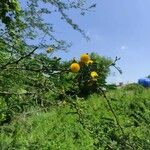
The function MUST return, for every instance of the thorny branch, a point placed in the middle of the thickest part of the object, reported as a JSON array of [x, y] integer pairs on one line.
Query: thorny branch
[[115, 116], [114, 65], [18, 60], [9, 93]]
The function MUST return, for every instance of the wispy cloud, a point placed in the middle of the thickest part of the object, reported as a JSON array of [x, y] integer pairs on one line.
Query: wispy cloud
[[123, 47]]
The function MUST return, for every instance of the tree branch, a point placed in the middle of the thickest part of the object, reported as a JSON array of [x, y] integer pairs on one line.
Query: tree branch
[[20, 59], [114, 65], [115, 116], [9, 93]]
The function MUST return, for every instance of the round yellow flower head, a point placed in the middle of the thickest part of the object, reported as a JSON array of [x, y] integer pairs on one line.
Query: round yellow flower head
[[49, 49], [84, 58], [90, 61], [94, 74], [75, 67]]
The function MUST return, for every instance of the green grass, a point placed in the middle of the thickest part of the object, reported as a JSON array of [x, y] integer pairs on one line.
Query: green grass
[[84, 125]]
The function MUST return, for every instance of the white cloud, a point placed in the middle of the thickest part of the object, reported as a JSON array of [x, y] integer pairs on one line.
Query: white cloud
[[123, 47]]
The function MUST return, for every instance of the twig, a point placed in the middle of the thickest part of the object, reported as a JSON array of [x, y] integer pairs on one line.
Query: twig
[[114, 65], [41, 70], [9, 93], [21, 58], [115, 116], [109, 104]]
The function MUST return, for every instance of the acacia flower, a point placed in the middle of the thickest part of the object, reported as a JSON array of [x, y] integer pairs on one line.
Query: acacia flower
[[75, 67], [84, 58], [90, 61], [49, 49], [94, 74]]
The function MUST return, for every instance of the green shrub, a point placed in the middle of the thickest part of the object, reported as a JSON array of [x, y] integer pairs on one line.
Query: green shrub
[[89, 78], [133, 86], [40, 80]]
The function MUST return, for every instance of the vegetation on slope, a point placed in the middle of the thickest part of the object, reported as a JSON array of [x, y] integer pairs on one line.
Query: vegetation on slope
[[84, 124], [49, 104]]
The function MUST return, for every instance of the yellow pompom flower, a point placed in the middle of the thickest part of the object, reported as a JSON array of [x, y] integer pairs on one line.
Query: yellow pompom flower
[[49, 49], [75, 67], [90, 62], [94, 74], [84, 58]]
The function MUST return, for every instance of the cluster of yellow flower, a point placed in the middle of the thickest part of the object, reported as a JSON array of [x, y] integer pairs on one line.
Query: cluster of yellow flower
[[84, 60], [49, 50]]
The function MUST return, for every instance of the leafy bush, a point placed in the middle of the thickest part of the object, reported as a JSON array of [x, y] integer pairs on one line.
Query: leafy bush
[[40, 80], [88, 75]]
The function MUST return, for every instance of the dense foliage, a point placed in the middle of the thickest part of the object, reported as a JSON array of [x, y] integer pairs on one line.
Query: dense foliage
[[84, 124], [90, 77], [43, 82]]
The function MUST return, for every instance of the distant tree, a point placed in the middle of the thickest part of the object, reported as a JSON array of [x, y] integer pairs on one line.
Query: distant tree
[[148, 76]]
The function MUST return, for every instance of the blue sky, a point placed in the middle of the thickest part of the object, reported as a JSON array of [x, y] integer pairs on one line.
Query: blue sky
[[116, 28]]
